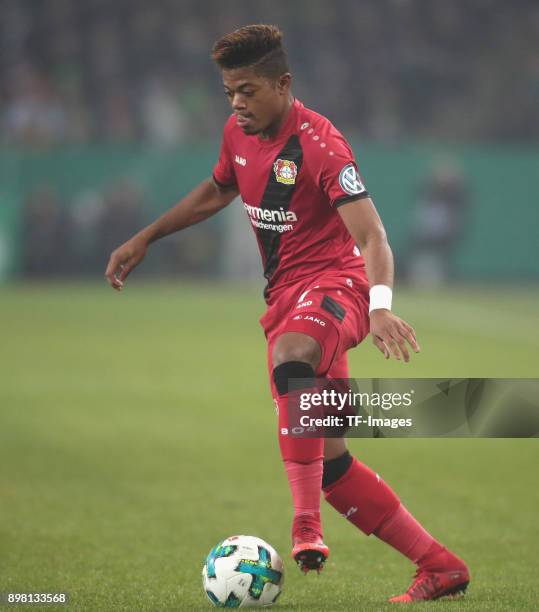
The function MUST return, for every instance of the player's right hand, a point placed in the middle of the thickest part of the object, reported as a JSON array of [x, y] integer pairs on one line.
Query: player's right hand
[[123, 260], [390, 334]]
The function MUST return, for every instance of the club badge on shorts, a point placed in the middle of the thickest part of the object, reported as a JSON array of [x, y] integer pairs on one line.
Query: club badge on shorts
[[285, 171]]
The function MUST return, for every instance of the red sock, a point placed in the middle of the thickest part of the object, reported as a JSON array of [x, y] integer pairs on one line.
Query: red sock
[[372, 506], [405, 534], [362, 497], [303, 463], [305, 480]]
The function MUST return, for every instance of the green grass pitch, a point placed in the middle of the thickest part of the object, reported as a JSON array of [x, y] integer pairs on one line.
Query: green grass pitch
[[137, 430]]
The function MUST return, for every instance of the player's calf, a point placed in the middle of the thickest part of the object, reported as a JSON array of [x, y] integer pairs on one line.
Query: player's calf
[[302, 459]]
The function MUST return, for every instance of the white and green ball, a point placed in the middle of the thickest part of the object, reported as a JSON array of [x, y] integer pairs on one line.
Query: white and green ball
[[241, 572]]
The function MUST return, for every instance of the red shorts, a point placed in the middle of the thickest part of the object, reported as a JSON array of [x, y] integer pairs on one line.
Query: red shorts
[[332, 308]]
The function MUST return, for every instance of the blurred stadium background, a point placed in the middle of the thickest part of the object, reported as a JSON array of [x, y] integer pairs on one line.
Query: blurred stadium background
[[109, 113]]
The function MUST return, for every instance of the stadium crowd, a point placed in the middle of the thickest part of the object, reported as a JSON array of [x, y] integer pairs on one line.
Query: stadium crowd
[[134, 70], [74, 238]]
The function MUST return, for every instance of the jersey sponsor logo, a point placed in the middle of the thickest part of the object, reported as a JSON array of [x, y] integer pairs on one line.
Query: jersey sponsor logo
[[277, 220], [285, 171], [240, 160], [349, 180]]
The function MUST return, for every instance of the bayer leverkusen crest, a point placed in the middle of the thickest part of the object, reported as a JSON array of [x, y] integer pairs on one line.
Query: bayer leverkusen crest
[[285, 171]]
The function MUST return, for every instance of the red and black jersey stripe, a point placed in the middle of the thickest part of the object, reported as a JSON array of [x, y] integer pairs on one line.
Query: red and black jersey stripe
[[277, 196]]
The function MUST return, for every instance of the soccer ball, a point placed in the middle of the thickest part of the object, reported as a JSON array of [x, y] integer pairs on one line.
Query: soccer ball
[[241, 572]]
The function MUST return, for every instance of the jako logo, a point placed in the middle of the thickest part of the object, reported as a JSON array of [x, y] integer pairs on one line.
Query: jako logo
[[266, 214], [350, 511], [240, 160]]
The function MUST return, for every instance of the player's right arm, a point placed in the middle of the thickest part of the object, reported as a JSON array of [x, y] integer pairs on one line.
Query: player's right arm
[[202, 202]]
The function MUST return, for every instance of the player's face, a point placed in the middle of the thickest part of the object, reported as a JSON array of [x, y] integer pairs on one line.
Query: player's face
[[258, 102]]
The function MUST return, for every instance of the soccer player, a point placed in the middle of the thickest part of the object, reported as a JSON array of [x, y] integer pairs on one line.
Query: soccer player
[[329, 272]]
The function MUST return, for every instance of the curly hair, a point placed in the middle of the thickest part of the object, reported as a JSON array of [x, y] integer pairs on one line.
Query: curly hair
[[259, 47]]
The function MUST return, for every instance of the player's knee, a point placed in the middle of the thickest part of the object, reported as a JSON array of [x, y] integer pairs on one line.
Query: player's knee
[[295, 347], [336, 469], [288, 370]]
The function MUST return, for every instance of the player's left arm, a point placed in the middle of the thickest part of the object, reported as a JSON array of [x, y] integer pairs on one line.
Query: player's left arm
[[389, 333]]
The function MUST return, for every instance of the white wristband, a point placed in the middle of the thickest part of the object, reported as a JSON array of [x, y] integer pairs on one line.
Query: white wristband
[[380, 297]]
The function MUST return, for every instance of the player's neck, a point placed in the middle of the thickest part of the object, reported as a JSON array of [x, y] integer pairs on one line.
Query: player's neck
[[274, 128]]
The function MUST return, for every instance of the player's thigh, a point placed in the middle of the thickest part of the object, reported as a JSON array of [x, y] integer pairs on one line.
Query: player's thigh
[[339, 367], [296, 346], [333, 315]]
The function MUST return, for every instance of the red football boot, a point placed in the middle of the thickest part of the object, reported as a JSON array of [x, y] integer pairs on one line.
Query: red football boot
[[439, 575], [309, 550]]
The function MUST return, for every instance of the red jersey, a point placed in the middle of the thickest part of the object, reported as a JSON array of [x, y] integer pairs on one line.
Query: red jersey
[[291, 186]]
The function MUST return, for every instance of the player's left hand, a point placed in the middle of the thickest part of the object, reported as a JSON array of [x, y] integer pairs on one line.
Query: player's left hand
[[390, 334]]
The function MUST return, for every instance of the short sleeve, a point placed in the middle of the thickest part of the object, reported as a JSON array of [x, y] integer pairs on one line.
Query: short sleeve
[[223, 172], [339, 176]]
